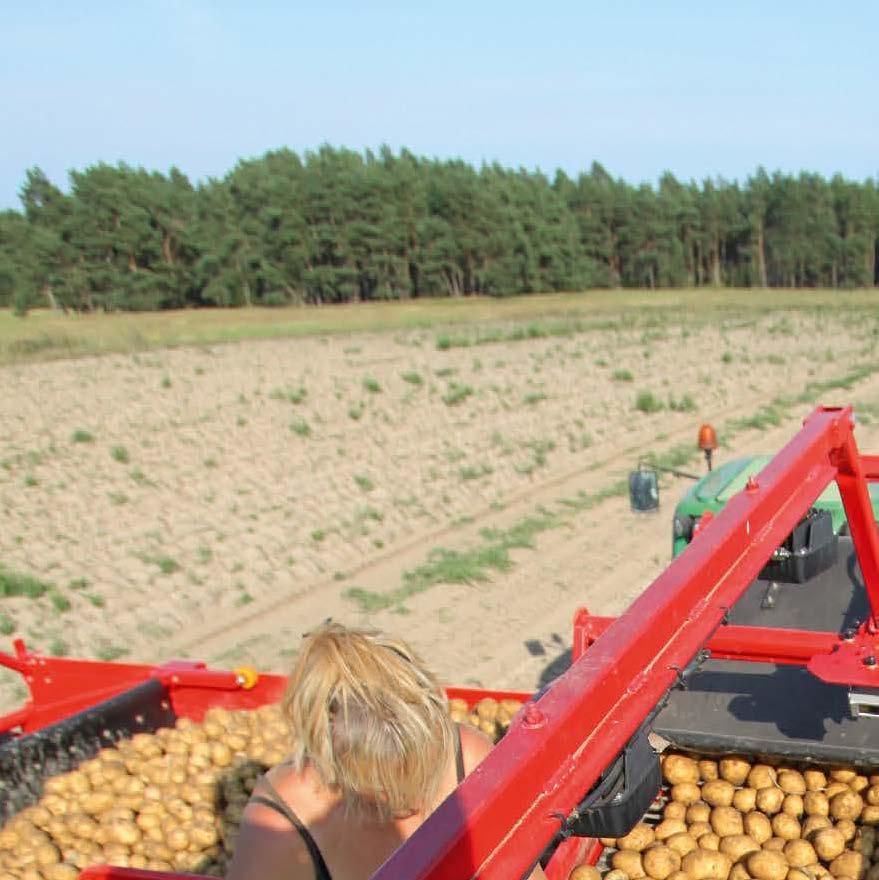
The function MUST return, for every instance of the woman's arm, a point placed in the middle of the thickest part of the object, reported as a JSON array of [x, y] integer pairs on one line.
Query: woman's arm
[[269, 848]]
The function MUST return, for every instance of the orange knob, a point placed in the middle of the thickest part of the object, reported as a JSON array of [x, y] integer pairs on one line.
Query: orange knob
[[246, 676]]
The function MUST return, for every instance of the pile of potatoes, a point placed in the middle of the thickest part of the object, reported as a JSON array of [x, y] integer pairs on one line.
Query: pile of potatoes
[[729, 819], [171, 800], [168, 801], [491, 716]]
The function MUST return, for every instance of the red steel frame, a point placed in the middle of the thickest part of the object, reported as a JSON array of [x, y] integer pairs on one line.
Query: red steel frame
[[501, 817], [61, 687], [498, 821]]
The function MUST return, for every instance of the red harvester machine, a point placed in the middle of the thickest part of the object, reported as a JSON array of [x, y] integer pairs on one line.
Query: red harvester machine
[[736, 648]]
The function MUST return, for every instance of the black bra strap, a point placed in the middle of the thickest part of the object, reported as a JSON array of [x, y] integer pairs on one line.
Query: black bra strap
[[459, 753], [277, 803]]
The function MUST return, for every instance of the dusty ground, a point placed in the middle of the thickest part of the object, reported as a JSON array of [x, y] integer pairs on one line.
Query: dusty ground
[[217, 503]]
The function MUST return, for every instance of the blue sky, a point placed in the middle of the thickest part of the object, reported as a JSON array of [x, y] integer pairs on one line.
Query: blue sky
[[700, 89]]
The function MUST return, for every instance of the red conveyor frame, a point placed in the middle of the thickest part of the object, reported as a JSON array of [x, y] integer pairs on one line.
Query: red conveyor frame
[[497, 822], [500, 818]]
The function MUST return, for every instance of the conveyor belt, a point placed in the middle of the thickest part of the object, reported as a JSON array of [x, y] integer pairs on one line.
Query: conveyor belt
[[736, 706]]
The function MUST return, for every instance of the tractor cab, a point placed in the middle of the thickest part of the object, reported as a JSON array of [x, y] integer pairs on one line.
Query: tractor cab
[[712, 492]]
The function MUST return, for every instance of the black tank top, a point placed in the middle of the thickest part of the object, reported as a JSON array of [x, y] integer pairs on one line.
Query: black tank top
[[279, 805]]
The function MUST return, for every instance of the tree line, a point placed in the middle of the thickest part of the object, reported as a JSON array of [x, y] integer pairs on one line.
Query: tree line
[[336, 225]]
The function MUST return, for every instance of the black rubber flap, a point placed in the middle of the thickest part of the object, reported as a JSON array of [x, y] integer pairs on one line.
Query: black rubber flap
[[622, 795], [27, 761]]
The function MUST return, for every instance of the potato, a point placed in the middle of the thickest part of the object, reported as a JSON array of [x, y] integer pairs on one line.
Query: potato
[[799, 853], [740, 872], [203, 835], [681, 843], [843, 774], [640, 837], [487, 708], [660, 861], [744, 799], [734, 770], [835, 788], [758, 826], [709, 841], [674, 810], [679, 768], [791, 782], [793, 805], [774, 844], [846, 805], [697, 829], [761, 776], [726, 821], [769, 799], [585, 872], [798, 874], [767, 865], [668, 827], [629, 862], [698, 813], [616, 874], [815, 779], [816, 803], [785, 827], [849, 864], [685, 793], [828, 842], [869, 815], [847, 828], [815, 823], [738, 845], [708, 770], [608, 842], [706, 865], [97, 802], [718, 793], [859, 783], [61, 872]]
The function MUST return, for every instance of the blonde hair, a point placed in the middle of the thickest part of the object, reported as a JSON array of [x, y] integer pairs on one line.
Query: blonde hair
[[370, 719]]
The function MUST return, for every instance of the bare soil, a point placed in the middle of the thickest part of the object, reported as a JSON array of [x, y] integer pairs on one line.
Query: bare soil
[[217, 503]]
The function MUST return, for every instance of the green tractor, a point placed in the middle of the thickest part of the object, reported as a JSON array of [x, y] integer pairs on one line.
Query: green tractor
[[712, 492]]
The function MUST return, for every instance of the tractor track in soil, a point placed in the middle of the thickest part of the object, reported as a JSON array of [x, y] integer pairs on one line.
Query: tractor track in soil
[[621, 565]]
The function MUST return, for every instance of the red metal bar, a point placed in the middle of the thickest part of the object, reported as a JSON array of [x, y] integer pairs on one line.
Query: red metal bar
[[497, 822], [755, 643], [859, 513], [18, 718], [870, 467]]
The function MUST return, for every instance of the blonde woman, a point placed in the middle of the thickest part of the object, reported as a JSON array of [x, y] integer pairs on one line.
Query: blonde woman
[[374, 752]]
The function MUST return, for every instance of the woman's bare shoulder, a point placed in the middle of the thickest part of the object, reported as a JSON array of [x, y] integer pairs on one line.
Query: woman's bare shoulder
[[475, 745], [268, 847]]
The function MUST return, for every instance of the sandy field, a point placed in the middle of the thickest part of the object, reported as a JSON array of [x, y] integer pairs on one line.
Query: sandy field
[[217, 502]]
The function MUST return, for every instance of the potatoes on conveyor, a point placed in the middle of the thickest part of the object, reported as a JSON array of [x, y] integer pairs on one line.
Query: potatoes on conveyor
[[746, 820], [171, 800]]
